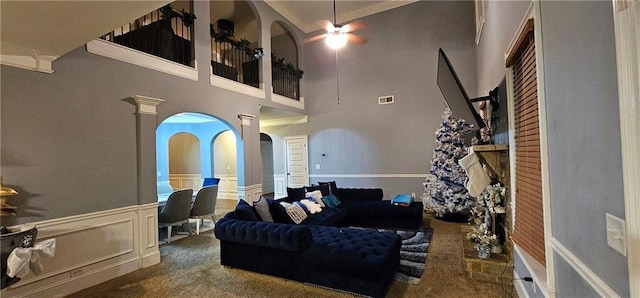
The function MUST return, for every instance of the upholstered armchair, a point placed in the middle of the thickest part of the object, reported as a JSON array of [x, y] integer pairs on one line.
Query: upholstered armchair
[[176, 211], [204, 205]]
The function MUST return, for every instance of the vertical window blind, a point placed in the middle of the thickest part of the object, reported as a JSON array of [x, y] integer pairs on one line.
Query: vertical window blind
[[529, 224]]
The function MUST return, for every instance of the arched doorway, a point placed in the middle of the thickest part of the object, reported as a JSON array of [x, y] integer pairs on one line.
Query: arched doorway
[[225, 163], [266, 150], [184, 161], [284, 51], [186, 154]]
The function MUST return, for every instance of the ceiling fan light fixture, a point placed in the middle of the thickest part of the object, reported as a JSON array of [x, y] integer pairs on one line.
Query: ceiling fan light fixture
[[336, 38]]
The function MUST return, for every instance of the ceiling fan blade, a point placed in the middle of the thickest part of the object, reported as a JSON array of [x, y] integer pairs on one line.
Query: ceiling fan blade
[[319, 25], [355, 26], [354, 38], [315, 38]]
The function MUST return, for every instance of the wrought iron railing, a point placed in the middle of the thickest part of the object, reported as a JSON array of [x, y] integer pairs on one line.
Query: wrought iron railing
[[165, 33], [234, 62], [285, 83]]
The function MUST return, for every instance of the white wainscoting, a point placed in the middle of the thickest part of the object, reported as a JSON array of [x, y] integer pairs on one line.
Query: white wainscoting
[[182, 181], [92, 248], [228, 187], [250, 193], [590, 277], [280, 186]]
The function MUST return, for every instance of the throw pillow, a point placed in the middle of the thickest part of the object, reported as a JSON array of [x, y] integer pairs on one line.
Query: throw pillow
[[324, 189], [285, 204], [333, 188], [296, 213], [295, 194], [246, 212], [331, 201], [302, 206], [317, 201], [316, 195], [312, 207], [278, 212], [262, 207]]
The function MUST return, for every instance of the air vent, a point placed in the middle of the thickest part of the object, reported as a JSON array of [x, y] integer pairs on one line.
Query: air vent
[[384, 100]]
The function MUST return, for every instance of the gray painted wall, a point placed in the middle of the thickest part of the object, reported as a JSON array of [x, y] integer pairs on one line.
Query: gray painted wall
[[266, 150], [585, 162], [583, 127], [283, 46], [569, 283], [502, 19], [360, 137], [69, 138]]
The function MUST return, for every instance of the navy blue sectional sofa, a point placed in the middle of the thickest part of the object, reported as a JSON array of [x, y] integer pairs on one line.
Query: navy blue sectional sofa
[[323, 249]]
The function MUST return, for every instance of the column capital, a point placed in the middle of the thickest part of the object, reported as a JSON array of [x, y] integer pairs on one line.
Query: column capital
[[246, 118], [147, 105]]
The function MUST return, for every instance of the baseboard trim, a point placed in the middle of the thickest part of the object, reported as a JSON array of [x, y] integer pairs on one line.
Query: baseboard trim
[[519, 285], [150, 260], [81, 282], [538, 271]]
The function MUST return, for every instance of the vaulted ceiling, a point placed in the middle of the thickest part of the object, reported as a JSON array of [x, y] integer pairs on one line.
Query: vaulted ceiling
[[54, 28]]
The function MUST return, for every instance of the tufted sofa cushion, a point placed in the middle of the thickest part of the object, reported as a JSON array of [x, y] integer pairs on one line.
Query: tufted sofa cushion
[[356, 252], [341, 256], [328, 217], [264, 234], [383, 214], [245, 211]]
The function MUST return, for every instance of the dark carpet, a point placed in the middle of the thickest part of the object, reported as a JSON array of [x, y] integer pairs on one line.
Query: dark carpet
[[191, 267]]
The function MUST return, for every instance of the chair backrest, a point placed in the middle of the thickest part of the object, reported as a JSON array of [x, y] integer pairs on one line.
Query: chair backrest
[[205, 202], [210, 181], [178, 207]]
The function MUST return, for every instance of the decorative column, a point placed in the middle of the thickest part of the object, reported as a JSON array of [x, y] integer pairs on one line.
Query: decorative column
[[148, 250], [146, 145], [248, 188]]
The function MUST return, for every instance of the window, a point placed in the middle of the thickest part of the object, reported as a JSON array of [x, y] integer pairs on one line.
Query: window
[[529, 220]]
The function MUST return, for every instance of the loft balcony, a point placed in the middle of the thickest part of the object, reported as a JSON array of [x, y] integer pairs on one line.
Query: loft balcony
[[285, 79], [233, 59], [165, 33], [168, 33]]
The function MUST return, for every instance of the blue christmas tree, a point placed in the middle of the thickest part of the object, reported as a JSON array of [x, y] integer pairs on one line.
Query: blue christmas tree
[[444, 186]]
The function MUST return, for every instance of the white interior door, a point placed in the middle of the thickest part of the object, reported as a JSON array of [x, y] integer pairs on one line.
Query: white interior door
[[297, 161]]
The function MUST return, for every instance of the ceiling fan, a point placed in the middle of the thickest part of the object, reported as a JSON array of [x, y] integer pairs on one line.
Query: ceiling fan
[[337, 35]]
